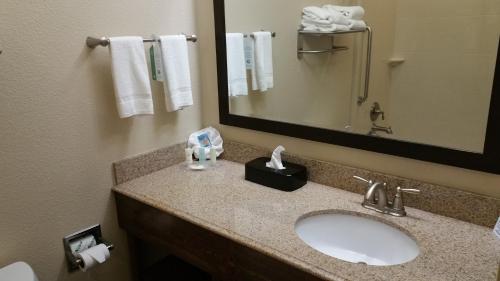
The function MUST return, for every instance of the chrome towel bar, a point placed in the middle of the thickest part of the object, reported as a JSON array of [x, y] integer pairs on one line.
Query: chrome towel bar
[[93, 42], [273, 34]]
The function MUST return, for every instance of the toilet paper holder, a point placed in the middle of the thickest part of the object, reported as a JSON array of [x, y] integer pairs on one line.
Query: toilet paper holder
[[74, 263]]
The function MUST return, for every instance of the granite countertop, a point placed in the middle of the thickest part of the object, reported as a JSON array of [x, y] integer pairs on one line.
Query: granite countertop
[[219, 199]]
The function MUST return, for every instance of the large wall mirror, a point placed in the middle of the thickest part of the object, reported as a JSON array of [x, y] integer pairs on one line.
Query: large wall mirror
[[409, 78]]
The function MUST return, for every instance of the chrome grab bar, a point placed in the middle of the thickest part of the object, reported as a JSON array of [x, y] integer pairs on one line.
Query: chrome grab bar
[[366, 92]]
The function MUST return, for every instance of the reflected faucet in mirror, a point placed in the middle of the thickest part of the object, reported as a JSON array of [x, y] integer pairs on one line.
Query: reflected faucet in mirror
[[376, 112], [376, 128]]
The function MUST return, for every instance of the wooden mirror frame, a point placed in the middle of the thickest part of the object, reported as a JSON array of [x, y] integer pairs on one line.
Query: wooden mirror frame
[[488, 161]]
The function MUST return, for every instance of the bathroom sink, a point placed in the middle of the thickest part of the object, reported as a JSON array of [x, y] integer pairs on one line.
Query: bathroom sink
[[356, 239]]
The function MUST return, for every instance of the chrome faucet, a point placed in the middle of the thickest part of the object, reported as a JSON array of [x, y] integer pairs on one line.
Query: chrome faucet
[[376, 128], [376, 198]]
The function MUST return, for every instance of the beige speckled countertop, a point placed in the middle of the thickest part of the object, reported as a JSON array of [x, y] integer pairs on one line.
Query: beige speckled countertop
[[262, 218]]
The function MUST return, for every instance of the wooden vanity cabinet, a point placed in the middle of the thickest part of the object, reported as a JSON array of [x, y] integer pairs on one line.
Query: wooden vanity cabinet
[[221, 257]]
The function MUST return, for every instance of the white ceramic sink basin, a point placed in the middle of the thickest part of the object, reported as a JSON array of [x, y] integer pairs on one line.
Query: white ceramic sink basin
[[356, 239]]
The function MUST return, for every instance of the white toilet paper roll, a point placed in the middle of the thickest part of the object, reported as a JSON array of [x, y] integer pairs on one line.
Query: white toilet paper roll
[[94, 255]]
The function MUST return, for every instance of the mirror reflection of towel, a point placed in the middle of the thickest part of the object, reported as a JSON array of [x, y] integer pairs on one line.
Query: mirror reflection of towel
[[236, 65], [262, 73]]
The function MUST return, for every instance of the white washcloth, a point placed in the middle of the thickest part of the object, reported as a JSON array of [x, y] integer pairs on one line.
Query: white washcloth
[[175, 61], [130, 76], [351, 12], [316, 13], [262, 72], [236, 67], [357, 25]]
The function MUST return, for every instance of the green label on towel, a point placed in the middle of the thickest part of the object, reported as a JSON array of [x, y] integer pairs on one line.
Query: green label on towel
[[153, 64], [154, 54], [249, 52]]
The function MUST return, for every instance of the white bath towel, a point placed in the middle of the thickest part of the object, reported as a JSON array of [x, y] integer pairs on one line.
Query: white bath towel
[[330, 28], [351, 12], [236, 66], [309, 25], [335, 16], [310, 20], [315, 13], [175, 61], [262, 72], [130, 76]]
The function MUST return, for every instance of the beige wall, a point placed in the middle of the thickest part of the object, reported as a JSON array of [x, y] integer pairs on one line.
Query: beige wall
[[473, 181], [59, 126], [441, 94]]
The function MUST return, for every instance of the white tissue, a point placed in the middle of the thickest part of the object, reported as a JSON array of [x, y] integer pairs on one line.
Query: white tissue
[[275, 162], [215, 140], [93, 256]]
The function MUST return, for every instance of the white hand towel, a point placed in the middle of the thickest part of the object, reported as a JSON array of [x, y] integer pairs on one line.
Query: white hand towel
[[357, 25], [351, 12], [130, 76], [262, 72], [175, 61], [236, 66]]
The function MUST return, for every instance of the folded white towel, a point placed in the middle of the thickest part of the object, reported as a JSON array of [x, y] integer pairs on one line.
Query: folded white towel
[[335, 16], [312, 26], [130, 76], [310, 20], [351, 12], [316, 13], [175, 61], [357, 25], [262, 72], [236, 66]]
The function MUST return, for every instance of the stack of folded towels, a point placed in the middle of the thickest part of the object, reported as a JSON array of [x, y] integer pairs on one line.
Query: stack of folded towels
[[331, 18]]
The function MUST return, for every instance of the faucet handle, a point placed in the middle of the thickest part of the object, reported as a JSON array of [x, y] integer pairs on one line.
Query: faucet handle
[[408, 190], [398, 203], [363, 179]]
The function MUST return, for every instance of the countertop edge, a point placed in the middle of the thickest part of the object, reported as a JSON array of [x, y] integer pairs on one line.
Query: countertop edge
[[293, 261]]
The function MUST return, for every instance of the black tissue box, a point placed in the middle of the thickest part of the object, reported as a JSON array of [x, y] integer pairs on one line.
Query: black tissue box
[[290, 179]]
